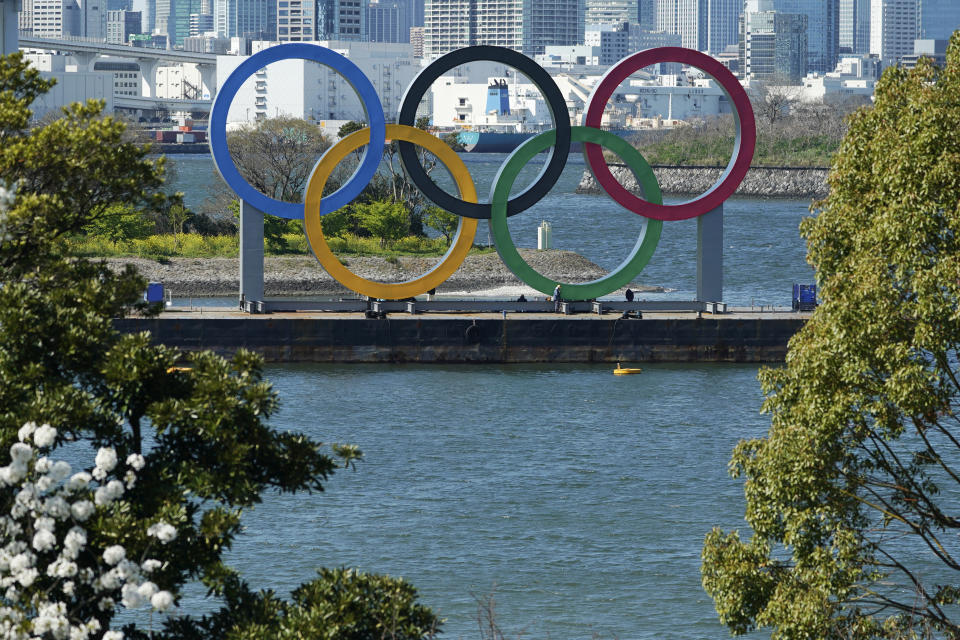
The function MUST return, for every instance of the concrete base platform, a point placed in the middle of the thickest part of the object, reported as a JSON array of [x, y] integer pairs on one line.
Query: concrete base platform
[[737, 336]]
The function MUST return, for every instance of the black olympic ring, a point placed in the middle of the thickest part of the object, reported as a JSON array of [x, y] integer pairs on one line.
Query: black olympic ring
[[555, 102]]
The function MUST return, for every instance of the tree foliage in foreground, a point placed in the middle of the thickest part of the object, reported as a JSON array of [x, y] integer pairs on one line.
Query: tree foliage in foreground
[[197, 445], [853, 497]]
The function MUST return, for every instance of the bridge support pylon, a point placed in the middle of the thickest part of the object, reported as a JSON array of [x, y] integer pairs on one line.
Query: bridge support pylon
[[148, 70], [710, 256], [208, 80], [251, 252]]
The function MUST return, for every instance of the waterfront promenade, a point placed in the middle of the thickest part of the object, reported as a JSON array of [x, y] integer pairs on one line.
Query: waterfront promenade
[[740, 335]]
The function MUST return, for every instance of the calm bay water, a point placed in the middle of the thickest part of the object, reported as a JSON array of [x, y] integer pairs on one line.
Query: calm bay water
[[579, 498]]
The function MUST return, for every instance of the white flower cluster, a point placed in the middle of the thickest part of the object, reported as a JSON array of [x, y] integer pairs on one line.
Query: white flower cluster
[[46, 567], [7, 196]]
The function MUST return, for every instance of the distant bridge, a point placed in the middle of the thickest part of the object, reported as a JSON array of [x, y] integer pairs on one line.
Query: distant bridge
[[96, 48], [86, 52]]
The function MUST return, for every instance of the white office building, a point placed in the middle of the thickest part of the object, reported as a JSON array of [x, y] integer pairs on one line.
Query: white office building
[[304, 89], [854, 78]]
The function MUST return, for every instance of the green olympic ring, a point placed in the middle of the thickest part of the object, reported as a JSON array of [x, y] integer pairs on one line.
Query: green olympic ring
[[628, 269]]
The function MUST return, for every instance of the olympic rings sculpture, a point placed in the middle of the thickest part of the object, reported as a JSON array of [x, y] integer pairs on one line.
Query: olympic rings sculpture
[[500, 205]]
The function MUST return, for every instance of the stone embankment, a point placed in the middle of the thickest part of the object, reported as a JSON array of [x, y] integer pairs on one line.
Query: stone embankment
[[303, 275], [760, 182]]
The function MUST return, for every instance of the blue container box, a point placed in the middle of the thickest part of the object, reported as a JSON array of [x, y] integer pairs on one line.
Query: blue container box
[[154, 292], [804, 297]]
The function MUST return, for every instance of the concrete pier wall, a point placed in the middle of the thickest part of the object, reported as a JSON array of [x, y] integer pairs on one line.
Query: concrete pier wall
[[760, 182], [516, 339]]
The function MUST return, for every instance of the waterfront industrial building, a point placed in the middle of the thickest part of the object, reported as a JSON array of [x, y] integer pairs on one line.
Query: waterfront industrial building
[[303, 89]]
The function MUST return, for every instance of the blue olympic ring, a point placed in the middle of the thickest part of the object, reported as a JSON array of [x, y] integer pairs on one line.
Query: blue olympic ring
[[368, 98]]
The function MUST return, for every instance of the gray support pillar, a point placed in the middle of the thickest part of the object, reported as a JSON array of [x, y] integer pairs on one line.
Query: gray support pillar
[[148, 71], [251, 252], [710, 256], [208, 80], [85, 60]]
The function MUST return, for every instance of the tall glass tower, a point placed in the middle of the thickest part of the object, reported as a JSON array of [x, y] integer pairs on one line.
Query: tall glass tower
[[854, 27], [823, 28], [340, 19], [721, 22], [937, 19], [389, 20], [255, 19]]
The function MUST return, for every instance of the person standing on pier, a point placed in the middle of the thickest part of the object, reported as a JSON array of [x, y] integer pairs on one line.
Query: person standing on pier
[[556, 298]]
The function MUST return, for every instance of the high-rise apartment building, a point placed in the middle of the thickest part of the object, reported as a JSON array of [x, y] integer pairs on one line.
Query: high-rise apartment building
[[416, 41], [121, 25], [611, 11], [685, 18], [50, 18], [527, 26], [63, 18], [893, 28], [773, 46], [389, 20], [296, 20], [854, 27], [447, 26], [552, 22], [937, 19]]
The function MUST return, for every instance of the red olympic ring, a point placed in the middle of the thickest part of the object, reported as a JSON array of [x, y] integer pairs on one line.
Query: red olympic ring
[[744, 144]]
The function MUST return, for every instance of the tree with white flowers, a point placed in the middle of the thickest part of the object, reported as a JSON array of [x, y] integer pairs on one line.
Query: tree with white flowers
[[179, 453]]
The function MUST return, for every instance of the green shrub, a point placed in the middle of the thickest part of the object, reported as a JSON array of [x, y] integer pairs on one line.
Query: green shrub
[[194, 245], [341, 604]]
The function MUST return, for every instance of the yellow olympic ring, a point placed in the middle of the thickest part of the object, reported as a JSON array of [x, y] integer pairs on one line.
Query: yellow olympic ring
[[450, 262]]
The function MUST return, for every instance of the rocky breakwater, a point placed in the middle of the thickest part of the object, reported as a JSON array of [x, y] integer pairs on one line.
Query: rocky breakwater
[[481, 274], [761, 182]]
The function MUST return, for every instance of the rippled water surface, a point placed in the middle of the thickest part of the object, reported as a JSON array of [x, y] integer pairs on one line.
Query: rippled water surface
[[580, 497]]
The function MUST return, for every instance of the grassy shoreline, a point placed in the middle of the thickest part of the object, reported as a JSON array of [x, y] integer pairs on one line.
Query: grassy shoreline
[[193, 245]]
